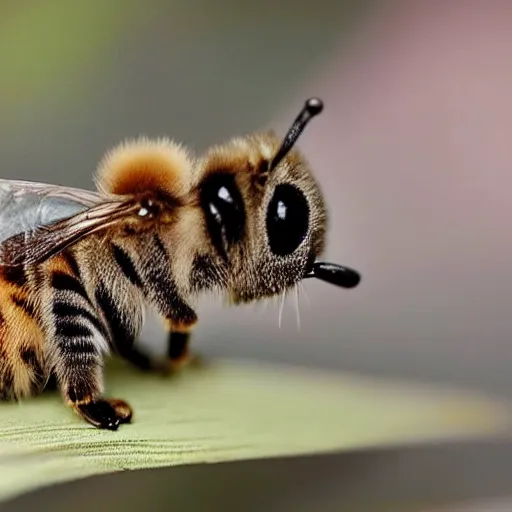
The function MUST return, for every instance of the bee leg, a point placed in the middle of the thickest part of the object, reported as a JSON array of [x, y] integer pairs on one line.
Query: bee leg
[[137, 358], [178, 352], [80, 381], [84, 397], [78, 347], [103, 413]]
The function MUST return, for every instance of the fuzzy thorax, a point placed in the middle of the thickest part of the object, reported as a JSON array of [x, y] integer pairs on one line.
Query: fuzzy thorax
[[145, 165]]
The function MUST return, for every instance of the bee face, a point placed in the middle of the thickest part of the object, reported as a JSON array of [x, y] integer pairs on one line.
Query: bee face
[[267, 223], [265, 215]]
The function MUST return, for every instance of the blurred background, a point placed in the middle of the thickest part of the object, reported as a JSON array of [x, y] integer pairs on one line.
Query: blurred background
[[413, 152]]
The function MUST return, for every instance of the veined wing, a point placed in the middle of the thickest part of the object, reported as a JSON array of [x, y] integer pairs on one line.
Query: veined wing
[[27, 205], [38, 220]]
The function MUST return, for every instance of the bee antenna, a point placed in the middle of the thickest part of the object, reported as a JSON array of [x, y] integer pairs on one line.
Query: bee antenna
[[312, 108]]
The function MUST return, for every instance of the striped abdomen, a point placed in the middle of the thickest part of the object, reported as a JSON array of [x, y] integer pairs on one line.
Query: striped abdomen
[[23, 368]]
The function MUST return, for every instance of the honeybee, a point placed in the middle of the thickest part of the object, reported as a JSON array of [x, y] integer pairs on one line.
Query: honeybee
[[77, 267]]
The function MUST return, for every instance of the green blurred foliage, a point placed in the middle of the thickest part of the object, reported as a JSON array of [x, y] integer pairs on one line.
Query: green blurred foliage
[[48, 44], [63, 47]]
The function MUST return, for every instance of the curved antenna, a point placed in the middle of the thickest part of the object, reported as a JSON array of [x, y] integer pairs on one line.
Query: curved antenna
[[312, 108]]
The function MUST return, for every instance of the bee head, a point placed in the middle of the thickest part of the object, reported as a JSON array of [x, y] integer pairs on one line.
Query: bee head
[[265, 214]]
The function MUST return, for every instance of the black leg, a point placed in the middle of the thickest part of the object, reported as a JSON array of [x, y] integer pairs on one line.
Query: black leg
[[137, 358], [177, 356], [177, 348]]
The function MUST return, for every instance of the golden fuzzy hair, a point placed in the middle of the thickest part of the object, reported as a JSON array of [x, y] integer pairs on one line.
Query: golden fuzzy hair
[[145, 165]]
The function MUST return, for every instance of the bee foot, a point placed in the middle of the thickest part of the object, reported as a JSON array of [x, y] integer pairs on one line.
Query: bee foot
[[107, 414]]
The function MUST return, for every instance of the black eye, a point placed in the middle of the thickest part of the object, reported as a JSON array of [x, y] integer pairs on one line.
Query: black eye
[[287, 219], [224, 211]]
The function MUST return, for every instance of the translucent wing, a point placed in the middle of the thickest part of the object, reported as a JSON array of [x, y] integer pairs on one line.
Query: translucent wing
[[39, 220], [26, 205]]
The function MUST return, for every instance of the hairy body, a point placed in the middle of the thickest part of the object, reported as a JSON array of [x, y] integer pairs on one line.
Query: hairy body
[[62, 317]]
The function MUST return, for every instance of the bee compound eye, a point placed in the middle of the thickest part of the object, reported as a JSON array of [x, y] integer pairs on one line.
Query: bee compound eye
[[224, 209], [287, 219]]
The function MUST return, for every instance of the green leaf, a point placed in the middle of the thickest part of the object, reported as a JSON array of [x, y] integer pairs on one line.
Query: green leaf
[[229, 411]]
